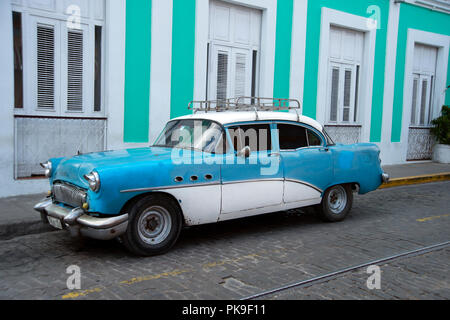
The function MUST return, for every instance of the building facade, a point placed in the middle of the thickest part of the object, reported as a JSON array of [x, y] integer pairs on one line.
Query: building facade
[[89, 75]]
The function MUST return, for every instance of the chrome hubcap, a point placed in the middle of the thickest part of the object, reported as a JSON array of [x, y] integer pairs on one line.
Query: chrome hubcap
[[154, 225], [337, 199]]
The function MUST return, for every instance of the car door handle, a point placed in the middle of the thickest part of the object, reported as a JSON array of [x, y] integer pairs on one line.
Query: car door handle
[[274, 154], [324, 149]]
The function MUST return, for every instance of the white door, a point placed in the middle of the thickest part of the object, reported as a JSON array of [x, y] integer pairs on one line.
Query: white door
[[345, 60], [420, 141], [234, 49]]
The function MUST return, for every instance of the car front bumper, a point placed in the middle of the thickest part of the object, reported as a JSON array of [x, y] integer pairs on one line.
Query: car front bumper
[[79, 223]]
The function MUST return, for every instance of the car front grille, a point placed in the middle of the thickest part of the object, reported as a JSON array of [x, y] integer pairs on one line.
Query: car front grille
[[69, 194]]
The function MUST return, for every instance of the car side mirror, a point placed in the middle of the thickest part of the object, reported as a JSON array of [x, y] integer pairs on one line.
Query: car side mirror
[[245, 152]]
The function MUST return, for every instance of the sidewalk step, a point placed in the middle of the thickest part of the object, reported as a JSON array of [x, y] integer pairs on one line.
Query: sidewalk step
[[426, 178]]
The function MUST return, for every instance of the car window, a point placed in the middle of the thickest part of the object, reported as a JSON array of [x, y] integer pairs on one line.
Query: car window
[[202, 135], [313, 139], [291, 136], [256, 136]]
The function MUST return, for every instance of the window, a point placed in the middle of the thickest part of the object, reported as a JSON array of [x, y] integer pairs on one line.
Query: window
[[60, 74], [293, 137], [18, 60], [313, 139], [345, 57], [255, 136], [423, 78], [343, 93]]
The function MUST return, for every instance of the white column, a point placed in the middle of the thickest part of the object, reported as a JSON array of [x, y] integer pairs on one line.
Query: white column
[[115, 71], [161, 66], [388, 149], [201, 45], [298, 49]]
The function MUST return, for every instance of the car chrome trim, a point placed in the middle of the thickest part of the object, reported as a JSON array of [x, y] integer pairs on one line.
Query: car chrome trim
[[252, 180], [218, 183], [305, 183], [203, 184]]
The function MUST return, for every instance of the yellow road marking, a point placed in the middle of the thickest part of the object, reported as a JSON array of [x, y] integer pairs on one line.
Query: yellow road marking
[[176, 272], [222, 262], [154, 277], [433, 217], [76, 294]]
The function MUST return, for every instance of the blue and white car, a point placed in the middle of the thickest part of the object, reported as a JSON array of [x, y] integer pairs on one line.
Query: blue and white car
[[230, 161]]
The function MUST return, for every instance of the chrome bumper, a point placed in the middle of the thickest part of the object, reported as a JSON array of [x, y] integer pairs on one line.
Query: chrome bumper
[[81, 224], [385, 177]]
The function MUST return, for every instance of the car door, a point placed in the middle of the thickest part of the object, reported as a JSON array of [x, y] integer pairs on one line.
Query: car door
[[251, 183], [307, 163]]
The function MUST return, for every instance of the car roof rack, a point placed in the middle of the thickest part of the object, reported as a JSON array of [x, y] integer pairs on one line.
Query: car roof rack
[[245, 104]]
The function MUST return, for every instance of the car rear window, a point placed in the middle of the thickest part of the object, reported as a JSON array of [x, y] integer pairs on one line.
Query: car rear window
[[294, 137]]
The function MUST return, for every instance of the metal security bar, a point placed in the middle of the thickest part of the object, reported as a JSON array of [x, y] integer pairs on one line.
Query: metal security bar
[[245, 104]]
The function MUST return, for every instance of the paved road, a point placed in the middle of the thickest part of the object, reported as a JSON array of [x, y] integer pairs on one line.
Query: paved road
[[235, 259]]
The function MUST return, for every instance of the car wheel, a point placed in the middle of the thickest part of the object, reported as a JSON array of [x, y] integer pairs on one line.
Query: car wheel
[[154, 225], [336, 203]]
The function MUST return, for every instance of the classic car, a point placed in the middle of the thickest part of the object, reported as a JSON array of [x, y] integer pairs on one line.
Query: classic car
[[226, 160]]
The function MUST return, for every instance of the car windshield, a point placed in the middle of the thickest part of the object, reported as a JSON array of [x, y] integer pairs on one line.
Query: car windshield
[[200, 135]]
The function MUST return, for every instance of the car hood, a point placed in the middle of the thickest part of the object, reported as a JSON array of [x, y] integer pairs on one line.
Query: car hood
[[72, 169]]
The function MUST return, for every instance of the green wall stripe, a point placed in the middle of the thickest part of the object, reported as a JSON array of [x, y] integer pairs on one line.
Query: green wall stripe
[[312, 55], [283, 49], [183, 55], [430, 21], [137, 70]]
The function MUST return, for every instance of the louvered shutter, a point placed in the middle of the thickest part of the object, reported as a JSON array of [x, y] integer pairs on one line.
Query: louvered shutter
[[414, 101], [240, 75], [45, 67], [222, 75], [334, 94], [74, 71], [347, 95]]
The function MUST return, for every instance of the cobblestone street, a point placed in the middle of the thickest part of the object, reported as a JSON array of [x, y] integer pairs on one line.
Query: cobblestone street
[[235, 259]]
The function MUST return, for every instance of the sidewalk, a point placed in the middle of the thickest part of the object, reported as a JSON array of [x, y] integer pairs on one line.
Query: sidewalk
[[17, 216]]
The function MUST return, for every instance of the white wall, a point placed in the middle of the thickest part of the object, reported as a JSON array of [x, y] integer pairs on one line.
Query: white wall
[[115, 72], [114, 94], [8, 185]]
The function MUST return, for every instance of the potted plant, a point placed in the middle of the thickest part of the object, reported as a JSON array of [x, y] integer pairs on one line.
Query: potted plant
[[441, 131]]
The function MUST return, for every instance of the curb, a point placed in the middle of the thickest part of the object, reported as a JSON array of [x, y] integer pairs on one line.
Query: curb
[[22, 228], [426, 178]]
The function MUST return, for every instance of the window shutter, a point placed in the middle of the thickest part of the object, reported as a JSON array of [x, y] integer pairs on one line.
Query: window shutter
[[414, 102], [347, 95], [240, 75], [423, 101], [45, 67], [334, 94], [222, 76], [74, 71]]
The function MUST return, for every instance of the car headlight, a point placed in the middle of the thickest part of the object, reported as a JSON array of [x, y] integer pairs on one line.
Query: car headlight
[[47, 168], [94, 180]]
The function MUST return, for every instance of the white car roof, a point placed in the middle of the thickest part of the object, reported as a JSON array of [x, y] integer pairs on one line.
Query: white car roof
[[229, 117]]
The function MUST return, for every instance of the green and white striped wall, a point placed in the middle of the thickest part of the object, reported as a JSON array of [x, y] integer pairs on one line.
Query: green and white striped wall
[[295, 58]]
